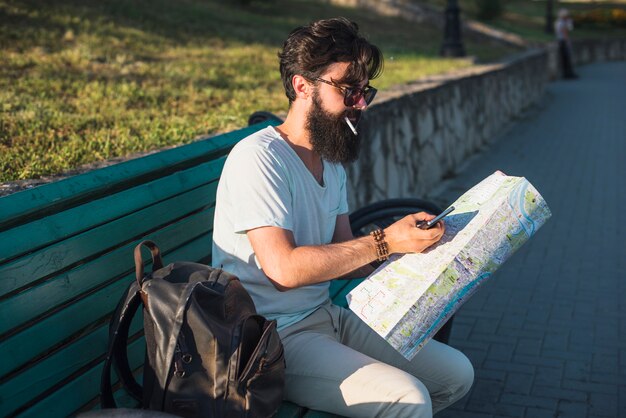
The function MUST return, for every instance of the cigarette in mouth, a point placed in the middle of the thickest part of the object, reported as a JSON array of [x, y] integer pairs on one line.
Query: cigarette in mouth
[[350, 125]]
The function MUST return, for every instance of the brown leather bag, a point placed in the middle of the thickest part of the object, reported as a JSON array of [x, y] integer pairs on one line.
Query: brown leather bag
[[208, 352]]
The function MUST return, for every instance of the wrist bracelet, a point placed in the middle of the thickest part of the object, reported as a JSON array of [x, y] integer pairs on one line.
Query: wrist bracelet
[[382, 249]]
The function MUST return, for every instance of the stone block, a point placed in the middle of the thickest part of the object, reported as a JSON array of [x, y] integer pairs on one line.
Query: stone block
[[520, 383], [590, 387], [567, 409], [529, 401], [425, 125], [558, 393], [604, 405]]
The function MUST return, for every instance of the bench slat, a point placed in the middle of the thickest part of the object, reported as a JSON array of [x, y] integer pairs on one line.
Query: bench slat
[[340, 288], [72, 396], [50, 331], [336, 286], [320, 414], [289, 410], [60, 366], [103, 211]]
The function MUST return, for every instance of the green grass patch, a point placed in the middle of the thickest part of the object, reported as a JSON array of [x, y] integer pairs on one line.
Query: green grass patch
[[86, 80]]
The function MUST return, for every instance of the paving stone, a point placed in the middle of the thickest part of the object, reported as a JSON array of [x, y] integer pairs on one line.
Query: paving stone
[[622, 355], [577, 370], [539, 413], [579, 340], [487, 325], [491, 338], [561, 394], [473, 344], [462, 414], [605, 363], [495, 375], [589, 387], [569, 409], [501, 352], [518, 383], [604, 405], [529, 401], [549, 376], [566, 355], [528, 346], [486, 391], [608, 378], [538, 361], [508, 367], [497, 409], [538, 315], [461, 331], [556, 340], [476, 357], [622, 400]]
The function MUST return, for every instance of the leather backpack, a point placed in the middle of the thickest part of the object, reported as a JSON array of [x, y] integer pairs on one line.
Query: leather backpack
[[207, 351]]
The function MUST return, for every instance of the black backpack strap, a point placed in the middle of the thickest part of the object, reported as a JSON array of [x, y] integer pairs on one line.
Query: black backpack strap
[[118, 331], [117, 352]]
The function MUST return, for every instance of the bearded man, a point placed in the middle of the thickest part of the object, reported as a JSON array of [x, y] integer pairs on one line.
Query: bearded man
[[281, 226]]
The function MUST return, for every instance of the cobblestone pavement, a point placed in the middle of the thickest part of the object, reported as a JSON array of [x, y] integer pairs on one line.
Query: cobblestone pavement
[[547, 333]]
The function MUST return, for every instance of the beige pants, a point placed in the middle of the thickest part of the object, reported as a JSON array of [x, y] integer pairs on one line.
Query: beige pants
[[337, 364]]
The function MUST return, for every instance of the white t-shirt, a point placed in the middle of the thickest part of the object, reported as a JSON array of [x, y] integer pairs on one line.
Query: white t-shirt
[[265, 183]]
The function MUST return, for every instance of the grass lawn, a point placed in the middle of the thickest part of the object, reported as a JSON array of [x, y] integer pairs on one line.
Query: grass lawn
[[89, 80]]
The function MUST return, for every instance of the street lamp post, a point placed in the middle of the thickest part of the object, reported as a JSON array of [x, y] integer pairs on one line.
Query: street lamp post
[[549, 17], [452, 43]]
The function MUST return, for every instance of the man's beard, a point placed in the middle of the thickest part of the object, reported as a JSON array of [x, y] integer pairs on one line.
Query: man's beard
[[330, 135]]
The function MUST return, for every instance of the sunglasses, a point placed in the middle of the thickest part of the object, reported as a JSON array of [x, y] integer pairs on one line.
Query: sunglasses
[[352, 95]]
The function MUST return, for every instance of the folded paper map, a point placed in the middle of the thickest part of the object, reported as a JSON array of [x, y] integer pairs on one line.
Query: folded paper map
[[407, 299]]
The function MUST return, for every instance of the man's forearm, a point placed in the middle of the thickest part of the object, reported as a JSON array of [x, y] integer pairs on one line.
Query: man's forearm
[[308, 265], [361, 272], [290, 266]]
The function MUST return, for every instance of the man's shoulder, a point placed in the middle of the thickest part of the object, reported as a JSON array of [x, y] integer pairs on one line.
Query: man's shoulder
[[260, 140], [263, 148]]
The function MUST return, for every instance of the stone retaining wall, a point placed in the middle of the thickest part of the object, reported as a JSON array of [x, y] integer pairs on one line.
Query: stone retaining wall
[[418, 134]]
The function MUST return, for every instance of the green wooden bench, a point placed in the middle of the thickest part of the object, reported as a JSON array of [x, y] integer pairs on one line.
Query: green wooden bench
[[66, 258]]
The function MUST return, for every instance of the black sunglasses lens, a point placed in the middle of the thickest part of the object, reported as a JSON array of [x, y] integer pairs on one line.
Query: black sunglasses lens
[[352, 96]]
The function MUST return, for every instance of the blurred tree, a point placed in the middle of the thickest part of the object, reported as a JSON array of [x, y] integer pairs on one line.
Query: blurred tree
[[489, 9], [452, 43], [549, 17]]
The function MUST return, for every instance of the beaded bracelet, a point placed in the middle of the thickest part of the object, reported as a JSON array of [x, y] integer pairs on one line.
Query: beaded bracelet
[[382, 249]]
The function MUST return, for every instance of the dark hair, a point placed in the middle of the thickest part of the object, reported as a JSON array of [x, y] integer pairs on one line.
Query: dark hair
[[309, 50]]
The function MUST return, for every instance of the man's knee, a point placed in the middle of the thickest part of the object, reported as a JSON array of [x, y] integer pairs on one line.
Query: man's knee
[[459, 384], [464, 379], [382, 390], [411, 400]]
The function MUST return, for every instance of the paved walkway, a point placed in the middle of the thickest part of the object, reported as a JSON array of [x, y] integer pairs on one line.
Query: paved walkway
[[547, 333]]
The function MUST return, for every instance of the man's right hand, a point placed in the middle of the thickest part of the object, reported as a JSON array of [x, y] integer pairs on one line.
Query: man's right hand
[[405, 237]]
